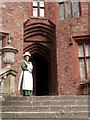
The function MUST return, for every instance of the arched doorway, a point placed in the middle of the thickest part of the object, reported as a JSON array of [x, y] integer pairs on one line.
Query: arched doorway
[[41, 74], [39, 40]]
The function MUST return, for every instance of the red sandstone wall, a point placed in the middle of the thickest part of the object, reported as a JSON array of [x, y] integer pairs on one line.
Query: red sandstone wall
[[64, 30], [13, 16], [65, 54], [66, 75]]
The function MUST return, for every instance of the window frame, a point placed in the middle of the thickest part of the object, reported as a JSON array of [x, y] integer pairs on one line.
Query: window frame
[[1, 41], [84, 58], [72, 9], [82, 40], [38, 8]]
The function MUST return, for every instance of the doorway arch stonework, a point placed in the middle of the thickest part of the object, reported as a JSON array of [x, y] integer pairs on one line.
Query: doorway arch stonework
[[39, 40]]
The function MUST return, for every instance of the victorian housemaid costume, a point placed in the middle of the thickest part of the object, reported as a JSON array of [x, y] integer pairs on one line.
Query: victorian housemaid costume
[[25, 85]]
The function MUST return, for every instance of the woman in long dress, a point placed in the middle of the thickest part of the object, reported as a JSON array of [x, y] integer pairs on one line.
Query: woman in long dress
[[26, 79]]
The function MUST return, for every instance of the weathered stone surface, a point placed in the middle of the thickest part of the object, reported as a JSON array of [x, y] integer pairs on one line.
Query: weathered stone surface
[[45, 107]]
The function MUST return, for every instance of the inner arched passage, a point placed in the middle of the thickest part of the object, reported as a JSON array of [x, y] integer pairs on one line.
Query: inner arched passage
[[40, 57], [41, 75]]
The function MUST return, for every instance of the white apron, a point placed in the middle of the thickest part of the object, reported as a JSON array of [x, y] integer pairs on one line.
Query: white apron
[[27, 79]]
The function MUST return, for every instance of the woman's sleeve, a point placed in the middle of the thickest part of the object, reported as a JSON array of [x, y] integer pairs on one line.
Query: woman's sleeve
[[24, 66], [30, 67]]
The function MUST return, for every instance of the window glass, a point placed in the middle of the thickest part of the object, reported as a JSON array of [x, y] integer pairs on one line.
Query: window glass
[[87, 49], [35, 2], [41, 3], [38, 8], [76, 8], [82, 68], [81, 51], [0, 44], [68, 9], [0, 52], [88, 67], [0, 60], [60, 1], [84, 57], [41, 12], [35, 12], [61, 10]]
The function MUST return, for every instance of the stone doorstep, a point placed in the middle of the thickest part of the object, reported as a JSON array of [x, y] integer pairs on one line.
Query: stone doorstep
[[45, 108], [19, 115], [62, 97], [49, 119], [44, 103]]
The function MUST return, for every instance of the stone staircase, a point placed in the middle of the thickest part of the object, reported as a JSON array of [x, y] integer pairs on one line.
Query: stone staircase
[[46, 107]]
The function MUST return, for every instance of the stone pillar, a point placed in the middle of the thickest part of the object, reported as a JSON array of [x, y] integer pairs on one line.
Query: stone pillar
[[8, 83], [8, 74]]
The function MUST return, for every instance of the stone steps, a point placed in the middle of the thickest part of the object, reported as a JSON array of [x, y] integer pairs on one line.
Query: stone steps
[[49, 119], [63, 97], [45, 107], [52, 115], [40, 103]]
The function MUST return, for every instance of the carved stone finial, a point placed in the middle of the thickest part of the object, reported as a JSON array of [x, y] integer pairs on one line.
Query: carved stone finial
[[9, 42], [8, 53]]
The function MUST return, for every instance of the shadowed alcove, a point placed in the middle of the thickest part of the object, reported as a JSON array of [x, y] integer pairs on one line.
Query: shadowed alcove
[[41, 74], [40, 57]]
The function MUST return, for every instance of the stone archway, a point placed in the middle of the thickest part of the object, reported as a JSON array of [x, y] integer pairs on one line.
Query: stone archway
[[39, 40]]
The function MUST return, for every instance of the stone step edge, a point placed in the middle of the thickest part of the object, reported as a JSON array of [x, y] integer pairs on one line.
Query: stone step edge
[[43, 112], [49, 97], [50, 106], [43, 100], [45, 119]]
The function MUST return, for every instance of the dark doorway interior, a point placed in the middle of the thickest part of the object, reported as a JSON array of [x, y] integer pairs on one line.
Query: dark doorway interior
[[41, 74]]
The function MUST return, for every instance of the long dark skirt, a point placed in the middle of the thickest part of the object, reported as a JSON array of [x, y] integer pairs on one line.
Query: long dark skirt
[[26, 92]]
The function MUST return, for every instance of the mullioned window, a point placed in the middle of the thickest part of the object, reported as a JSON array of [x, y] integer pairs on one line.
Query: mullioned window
[[69, 8]]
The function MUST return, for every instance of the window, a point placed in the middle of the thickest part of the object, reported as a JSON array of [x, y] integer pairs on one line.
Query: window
[[69, 8], [0, 53], [38, 8], [84, 59]]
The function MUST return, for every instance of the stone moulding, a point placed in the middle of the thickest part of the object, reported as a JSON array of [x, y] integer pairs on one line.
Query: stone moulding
[[7, 70], [7, 81]]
